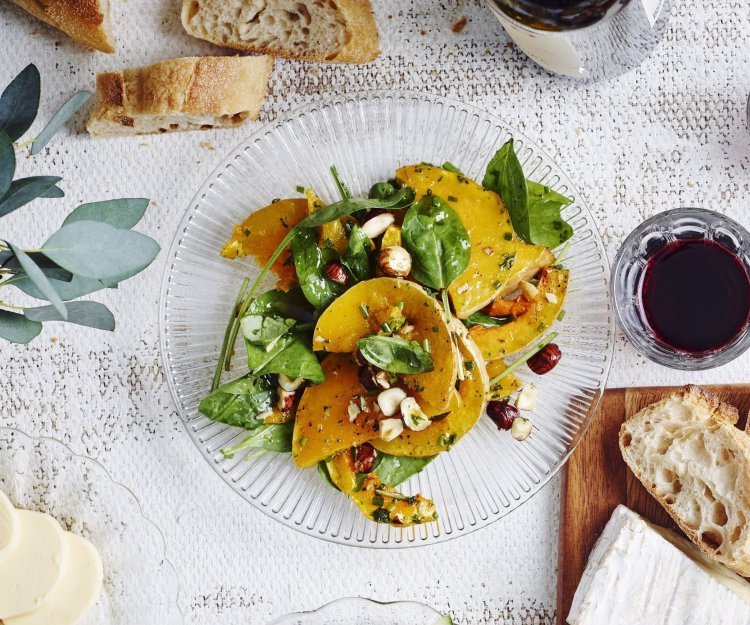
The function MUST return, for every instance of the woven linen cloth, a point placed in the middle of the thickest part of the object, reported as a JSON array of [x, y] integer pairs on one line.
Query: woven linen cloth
[[671, 133]]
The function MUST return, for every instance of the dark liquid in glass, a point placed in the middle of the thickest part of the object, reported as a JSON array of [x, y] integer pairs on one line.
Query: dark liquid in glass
[[696, 295]]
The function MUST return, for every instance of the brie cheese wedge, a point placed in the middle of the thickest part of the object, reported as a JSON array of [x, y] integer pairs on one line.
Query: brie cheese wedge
[[76, 594], [641, 574], [33, 570], [10, 527]]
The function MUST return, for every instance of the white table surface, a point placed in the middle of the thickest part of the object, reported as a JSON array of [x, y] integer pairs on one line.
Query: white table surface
[[670, 134]]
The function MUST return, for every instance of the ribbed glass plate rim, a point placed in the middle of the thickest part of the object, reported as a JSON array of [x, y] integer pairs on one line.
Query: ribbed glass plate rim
[[127, 492], [385, 536]]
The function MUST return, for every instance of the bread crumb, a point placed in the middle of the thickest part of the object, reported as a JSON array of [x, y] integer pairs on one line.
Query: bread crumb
[[459, 26], [207, 146], [53, 339]]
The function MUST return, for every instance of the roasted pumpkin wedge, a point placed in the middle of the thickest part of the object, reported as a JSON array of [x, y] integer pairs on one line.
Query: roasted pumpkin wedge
[[376, 501], [505, 387], [322, 427], [498, 342], [361, 311], [465, 409], [262, 232], [498, 256], [332, 233]]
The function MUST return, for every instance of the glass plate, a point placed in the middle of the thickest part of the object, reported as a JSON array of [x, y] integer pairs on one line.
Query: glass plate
[[367, 137], [365, 612], [140, 585]]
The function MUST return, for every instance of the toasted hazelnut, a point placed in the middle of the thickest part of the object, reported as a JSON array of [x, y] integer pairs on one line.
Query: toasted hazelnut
[[353, 410], [551, 298], [527, 398], [290, 384], [414, 418], [521, 429], [502, 414], [336, 272], [390, 400], [364, 458], [264, 415], [545, 360], [395, 261], [390, 429], [383, 380], [529, 290], [378, 224]]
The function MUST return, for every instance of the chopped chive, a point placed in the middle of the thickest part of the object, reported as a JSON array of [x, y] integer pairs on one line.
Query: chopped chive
[[562, 314], [300, 188], [532, 352], [364, 310]]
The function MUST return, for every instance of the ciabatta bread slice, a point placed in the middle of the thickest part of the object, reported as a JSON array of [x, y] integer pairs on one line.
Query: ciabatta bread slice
[[342, 31], [689, 455], [86, 21], [180, 94]]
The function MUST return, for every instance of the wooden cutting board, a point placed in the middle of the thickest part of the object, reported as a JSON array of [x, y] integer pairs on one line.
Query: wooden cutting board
[[596, 480]]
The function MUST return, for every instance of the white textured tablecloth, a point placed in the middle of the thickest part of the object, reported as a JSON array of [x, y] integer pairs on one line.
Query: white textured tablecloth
[[670, 134]]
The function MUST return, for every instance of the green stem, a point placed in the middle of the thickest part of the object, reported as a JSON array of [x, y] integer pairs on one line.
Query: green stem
[[446, 304], [20, 146], [10, 306], [225, 344], [523, 359]]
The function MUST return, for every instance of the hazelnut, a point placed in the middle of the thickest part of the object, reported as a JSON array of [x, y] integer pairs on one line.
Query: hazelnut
[[390, 401], [364, 458], [353, 410], [545, 360], [390, 429], [377, 224], [290, 384], [286, 399], [264, 415], [527, 398], [383, 379], [521, 429], [502, 414], [394, 261], [336, 272], [367, 379], [414, 418], [530, 291]]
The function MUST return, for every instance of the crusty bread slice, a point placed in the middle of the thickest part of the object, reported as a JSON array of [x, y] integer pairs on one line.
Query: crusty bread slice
[[689, 455], [342, 31], [86, 21], [180, 94]]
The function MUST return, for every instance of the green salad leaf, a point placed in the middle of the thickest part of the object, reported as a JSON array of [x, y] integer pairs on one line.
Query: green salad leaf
[[486, 321], [439, 245], [291, 355], [548, 228], [310, 264], [395, 470], [356, 256], [275, 437], [290, 304], [265, 330], [395, 354], [239, 402]]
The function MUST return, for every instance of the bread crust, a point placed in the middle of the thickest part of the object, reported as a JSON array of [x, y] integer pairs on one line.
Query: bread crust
[[720, 426], [222, 91], [86, 21], [362, 44]]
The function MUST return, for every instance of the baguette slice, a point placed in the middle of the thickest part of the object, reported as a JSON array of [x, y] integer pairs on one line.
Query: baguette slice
[[86, 21], [689, 455], [180, 94], [342, 31]]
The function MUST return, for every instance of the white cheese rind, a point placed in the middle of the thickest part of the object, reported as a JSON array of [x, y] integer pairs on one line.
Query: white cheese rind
[[10, 527], [76, 594], [636, 576], [32, 572]]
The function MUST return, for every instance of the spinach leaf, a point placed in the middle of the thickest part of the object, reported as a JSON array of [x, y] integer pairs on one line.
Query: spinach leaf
[[381, 191], [400, 199], [439, 245], [276, 437], [548, 228], [394, 354], [238, 403], [264, 331], [290, 355], [356, 257], [486, 321], [291, 304], [310, 263], [394, 470], [505, 177], [325, 474]]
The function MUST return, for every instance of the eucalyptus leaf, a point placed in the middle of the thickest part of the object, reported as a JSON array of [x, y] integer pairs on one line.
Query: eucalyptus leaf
[[19, 102], [50, 269], [239, 402], [310, 264], [356, 256], [395, 470], [16, 328], [89, 314], [438, 242], [505, 177], [274, 437], [75, 288], [291, 304], [97, 250], [122, 213], [63, 114], [548, 228], [264, 330], [53, 193], [7, 162], [394, 354], [23, 190], [41, 281]]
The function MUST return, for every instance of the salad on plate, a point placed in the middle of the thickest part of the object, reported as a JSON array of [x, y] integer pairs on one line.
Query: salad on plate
[[397, 322]]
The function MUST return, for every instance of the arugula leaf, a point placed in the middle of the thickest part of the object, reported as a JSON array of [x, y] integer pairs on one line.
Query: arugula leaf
[[343, 189], [548, 228], [238, 403], [486, 321], [505, 177], [275, 437], [310, 263], [264, 331], [289, 304], [356, 256], [291, 355], [433, 234], [395, 470], [394, 354]]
